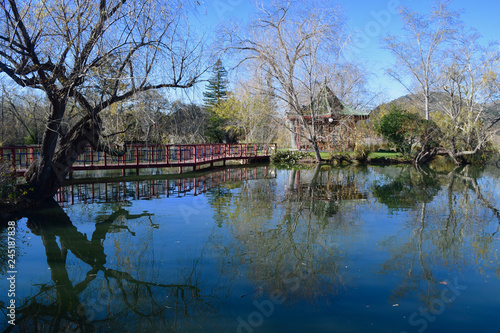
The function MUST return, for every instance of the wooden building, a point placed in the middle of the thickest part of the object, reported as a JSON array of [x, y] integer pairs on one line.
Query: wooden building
[[334, 122]]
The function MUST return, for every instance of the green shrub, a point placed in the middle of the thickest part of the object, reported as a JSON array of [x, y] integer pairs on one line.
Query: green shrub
[[289, 157], [404, 129], [7, 179], [361, 152]]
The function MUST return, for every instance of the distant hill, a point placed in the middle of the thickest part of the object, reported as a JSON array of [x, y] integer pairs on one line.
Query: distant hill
[[411, 99], [491, 110]]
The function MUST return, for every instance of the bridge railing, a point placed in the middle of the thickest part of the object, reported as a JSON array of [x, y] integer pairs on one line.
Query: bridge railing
[[146, 155]]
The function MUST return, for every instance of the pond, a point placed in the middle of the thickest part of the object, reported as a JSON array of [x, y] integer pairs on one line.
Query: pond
[[354, 249]]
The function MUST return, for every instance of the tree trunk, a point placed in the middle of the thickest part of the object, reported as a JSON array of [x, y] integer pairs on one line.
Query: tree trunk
[[425, 155], [39, 173], [46, 175], [427, 103], [316, 150]]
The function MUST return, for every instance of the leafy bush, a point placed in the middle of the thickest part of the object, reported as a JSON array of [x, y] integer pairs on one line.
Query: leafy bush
[[7, 179], [404, 129], [289, 157], [361, 152]]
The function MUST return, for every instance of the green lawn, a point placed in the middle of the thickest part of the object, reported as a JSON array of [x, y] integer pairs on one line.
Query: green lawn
[[386, 154]]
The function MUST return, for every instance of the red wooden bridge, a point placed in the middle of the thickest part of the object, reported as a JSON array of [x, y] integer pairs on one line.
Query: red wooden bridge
[[149, 156]]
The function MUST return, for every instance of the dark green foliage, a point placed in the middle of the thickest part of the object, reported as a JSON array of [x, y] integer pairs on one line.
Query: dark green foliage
[[214, 131], [10, 191], [398, 127], [216, 90], [7, 179], [404, 129], [289, 157], [410, 188], [215, 93]]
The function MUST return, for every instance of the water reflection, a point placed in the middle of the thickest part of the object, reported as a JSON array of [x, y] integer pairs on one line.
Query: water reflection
[[351, 249], [293, 238], [408, 188], [452, 224], [103, 298], [324, 191], [157, 187]]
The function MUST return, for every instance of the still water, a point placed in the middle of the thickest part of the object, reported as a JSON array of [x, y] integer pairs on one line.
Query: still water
[[357, 249]]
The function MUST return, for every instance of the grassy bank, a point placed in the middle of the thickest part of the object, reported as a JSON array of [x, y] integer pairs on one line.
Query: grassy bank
[[294, 157]]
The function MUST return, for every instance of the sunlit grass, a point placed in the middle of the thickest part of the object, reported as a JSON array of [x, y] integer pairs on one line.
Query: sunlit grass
[[386, 154]]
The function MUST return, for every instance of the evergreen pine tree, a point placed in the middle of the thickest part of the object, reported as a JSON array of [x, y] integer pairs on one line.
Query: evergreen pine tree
[[216, 90], [215, 93]]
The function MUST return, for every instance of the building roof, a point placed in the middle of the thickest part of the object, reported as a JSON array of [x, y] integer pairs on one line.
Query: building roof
[[330, 104]]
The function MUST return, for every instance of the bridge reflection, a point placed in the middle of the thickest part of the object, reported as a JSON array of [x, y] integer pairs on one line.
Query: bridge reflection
[[155, 188]]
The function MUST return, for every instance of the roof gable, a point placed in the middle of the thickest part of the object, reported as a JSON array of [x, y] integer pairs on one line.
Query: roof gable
[[327, 103]]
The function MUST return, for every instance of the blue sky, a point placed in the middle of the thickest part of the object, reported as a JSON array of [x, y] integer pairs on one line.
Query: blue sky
[[378, 18]]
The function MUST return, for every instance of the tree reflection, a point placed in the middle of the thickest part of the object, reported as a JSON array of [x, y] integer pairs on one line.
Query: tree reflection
[[323, 191], [293, 240], [408, 188], [300, 235], [449, 226], [106, 299]]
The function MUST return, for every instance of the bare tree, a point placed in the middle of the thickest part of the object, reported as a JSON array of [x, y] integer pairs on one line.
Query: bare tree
[[419, 51], [22, 117], [465, 84], [94, 54], [297, 44], [138, 120], [186, 123], [492, 78], [250, 110], [464, 89]]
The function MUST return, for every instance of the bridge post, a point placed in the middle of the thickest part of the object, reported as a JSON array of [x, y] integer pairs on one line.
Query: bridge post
[[124, 162], [13, 158], [179, 154], [136, 151], [211, 156], [91, 157], [195, 156], [32, 155]]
